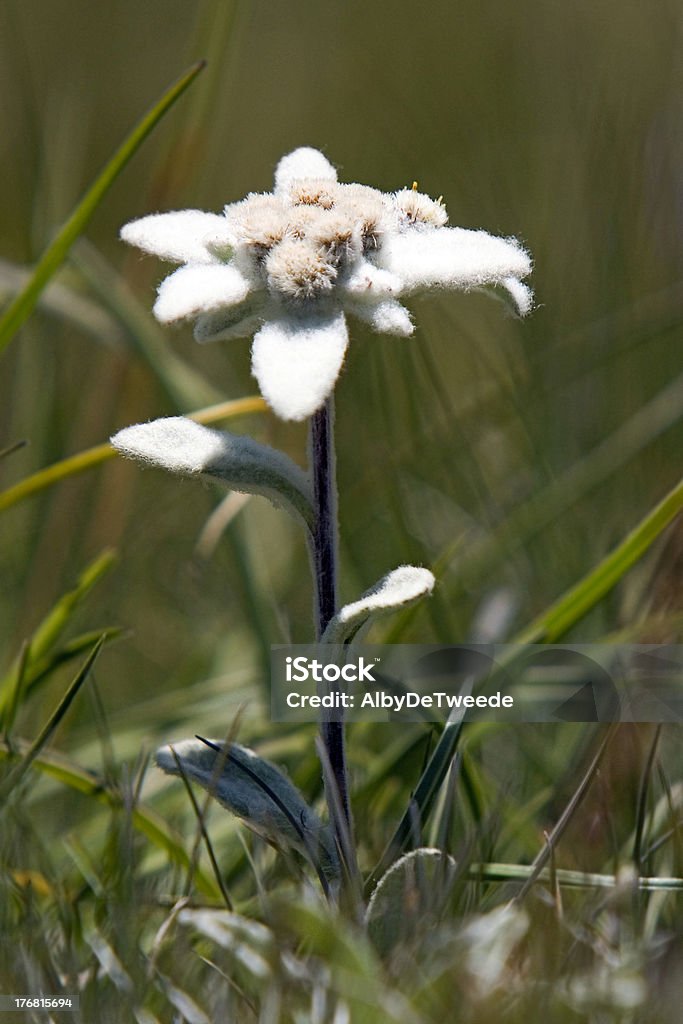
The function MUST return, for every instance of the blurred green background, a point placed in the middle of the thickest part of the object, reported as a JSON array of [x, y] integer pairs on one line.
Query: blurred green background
[[503, 454]]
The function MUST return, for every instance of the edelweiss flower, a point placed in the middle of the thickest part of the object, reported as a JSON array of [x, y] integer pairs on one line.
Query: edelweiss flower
[[285, 266]]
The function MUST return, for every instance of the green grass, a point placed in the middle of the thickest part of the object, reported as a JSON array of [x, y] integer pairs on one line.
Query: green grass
[[534, 463]]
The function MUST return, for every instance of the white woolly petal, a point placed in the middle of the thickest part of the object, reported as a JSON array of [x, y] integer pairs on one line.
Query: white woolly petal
[[304, 162], [387, 317], [452, 257], [180, 445], [199, 289], [522, 295], [403, 586], [399, 587], [179, 237], [296, 361], [365, 280], [174, 443]]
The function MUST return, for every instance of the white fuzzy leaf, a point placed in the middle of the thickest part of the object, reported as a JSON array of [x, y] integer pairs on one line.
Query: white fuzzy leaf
[[453, 258], [304, 162], [233, 322], [194, 289], [521, 294], [515, 296], [296, 362], [397, 589], [182, 446], [387, 317], [256, 791], [179, 237], [368, 282]]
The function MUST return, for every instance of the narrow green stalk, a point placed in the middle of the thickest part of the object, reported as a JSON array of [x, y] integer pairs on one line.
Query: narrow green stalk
[[55, 254], [321, 440]]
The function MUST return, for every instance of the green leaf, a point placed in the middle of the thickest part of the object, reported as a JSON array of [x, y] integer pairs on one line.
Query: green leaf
[[397, 589], [259, 793], [55, 254], [182, 446]]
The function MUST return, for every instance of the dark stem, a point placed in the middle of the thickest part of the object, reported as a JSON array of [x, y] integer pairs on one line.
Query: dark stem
[[325, 571]]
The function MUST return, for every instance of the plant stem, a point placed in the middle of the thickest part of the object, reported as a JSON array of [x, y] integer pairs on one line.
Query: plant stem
[[321, 436]]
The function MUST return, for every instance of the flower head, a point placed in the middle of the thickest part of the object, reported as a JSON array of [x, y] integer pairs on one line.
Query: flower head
[[286, 266]]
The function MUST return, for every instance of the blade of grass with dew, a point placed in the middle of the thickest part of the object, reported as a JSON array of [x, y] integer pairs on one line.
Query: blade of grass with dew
[[92, 457], [146, 821], [56, 621], [55, 254], [17, 773]]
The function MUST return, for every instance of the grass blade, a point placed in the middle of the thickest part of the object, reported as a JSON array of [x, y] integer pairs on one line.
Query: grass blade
[[41, 670], [554, 836], [183, 384], [17, 774], [568, 878], [55, 254], [580, 598], [203, 834], [424, 796], [146, 821], [91, 457], [643, 793], [54, 623]]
